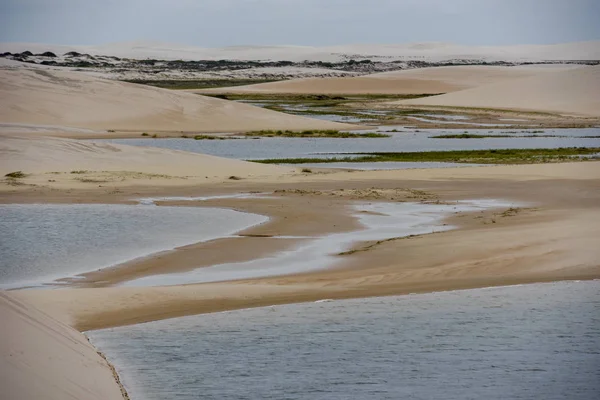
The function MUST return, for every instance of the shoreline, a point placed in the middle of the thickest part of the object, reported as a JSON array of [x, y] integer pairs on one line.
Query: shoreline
[[488, 250], [565, 216], [113, 369]]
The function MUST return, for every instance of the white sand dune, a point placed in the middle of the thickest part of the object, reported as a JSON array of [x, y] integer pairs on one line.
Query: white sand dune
[[33, 154], [405, 51], [571, 91], [46, 359], [434, 80], [66, 98]]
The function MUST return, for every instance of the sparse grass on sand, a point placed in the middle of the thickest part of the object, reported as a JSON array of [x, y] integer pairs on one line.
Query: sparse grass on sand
[[499, 156], [210, 137], [316, 134]]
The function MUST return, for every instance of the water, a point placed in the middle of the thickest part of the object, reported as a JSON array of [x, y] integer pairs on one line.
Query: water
[[523, 342], [41, 242], [406, 141], [379, 220], [438, 121]]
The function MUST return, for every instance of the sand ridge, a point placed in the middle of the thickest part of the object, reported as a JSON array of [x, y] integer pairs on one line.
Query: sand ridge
[[70, 99]]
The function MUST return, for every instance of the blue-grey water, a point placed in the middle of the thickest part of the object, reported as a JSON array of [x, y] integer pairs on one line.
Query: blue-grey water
[[43, 242], [537, 341], [409, 140], [379, 221]]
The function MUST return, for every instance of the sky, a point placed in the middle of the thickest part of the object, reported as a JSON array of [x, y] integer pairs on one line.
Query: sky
[[217, 23]]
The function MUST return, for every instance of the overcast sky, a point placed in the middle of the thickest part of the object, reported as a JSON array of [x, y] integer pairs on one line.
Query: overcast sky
[[216, 23]]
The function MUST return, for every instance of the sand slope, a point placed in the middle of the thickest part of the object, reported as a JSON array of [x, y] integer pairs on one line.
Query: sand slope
[[65, 98], [45, 154], [46, 359], [571, 91], [432, 80]]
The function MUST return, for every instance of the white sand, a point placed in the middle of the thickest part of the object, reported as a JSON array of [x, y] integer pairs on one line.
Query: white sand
[[43, 358], [65, 98], [571, 91], [33, 154]]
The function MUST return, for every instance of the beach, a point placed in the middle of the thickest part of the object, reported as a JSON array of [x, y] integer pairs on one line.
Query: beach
[[534, 223]]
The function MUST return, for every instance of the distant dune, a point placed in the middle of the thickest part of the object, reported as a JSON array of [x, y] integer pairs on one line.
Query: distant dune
[[571, 91], [413, 81], [70, 99], [401, 52]]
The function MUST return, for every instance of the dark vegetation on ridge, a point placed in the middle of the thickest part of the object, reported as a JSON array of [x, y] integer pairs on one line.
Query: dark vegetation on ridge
[[500, 156]]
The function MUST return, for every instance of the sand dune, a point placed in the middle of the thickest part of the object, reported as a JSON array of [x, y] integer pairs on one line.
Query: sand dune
[[46, 359], [65, 98], [45, 154], [433, 80], [570, 91]]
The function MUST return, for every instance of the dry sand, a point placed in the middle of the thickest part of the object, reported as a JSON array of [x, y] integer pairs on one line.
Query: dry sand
[[570, 91], [70, 99], [42, 358]]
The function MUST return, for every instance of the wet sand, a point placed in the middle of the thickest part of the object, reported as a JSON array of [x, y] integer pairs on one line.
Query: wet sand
[[552, 238]]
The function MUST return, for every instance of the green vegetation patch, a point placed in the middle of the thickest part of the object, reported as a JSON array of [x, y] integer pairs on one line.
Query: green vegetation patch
[[499, 156], [301, 97], [199, 83], [316, 134], [475, 136]]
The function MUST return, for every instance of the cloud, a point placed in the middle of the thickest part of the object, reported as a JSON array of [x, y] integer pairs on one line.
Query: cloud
[[312, 22]]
